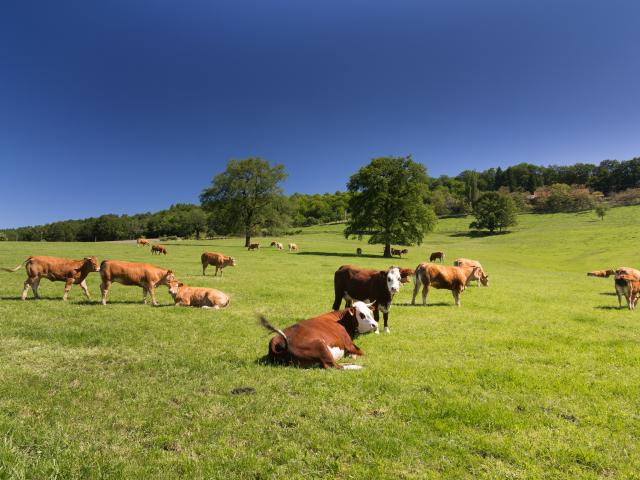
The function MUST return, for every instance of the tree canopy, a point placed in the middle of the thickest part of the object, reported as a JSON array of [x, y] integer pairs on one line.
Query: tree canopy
[[494, 211], [388, 203], [244, 197]]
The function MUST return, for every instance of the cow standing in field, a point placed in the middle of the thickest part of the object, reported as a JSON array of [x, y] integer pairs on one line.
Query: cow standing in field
[[293, 247], [444, 277], [56, 269], [158, 249], [197, 296], [218, 260], [398, 253], [465, 262], [437, 256], [143, 242], [321, 340], [132, 273], [619, 272], [629, 287], [379, 286], [254, 246], [358, 251]]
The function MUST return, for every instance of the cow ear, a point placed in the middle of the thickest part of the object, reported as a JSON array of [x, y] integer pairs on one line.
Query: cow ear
[[352, 311], [180, 284]]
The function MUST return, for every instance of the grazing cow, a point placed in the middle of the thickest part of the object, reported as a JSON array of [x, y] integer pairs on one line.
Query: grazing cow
[[465, 262], [158, 249], [218, 260], [358, 251], [56, 270], [442, 276], [143, 242], [629, 286], [437, 256], [254, 246], [197, 296], [379, 286], [397, 252], [293, 247], [279, 246], [321, 340], [132, 273], [273, 244]]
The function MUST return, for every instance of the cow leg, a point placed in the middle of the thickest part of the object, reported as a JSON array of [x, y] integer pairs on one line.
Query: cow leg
[[385, 315], [456, 296], [221, 272], [104, 289], [425, 292], [34, 286], [152, 295], [416, 287], [216, 274], [204, 267], [67, 286], [85, 289], [144, 295]]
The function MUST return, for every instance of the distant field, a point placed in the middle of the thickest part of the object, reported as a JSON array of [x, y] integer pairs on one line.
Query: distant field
[[536, 376]]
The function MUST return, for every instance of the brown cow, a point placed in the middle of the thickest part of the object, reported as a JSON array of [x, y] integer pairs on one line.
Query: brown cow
[[358, 251], [254, 246], [620, 271], [442, 276], [601, 273], [465, 262], [56, 270], [629, 286], [293, 247], [321, 340], [398, 252], [132, 273], [437, 256], [159, 249], [379, 286], [142, 241], [197, 296], [406, 274], [218, 260]]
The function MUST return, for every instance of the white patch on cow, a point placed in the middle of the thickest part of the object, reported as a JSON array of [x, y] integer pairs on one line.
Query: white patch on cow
[[352, 367], [387, 330], [336, 352], [366, 322], [393, 280]]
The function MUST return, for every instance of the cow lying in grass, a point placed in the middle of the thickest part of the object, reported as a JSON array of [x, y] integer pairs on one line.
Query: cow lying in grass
[[444, 277], [197, 296], [321, 340], [132, 273], [56, 270]]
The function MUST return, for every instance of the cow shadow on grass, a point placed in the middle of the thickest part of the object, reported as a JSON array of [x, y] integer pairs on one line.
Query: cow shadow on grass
[[609, 307], [337, 254], [609, 294], [18, 298], [433, 304]]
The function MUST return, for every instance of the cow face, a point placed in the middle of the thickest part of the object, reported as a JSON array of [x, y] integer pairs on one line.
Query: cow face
[[93, 261], [484, 279], [168, 278], [394, 280], [366, 322], [232, 261], [174, 287]]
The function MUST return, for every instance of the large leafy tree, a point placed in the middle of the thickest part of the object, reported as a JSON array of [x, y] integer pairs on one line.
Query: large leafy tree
[[388, 202], [494, 211], [244, 197]]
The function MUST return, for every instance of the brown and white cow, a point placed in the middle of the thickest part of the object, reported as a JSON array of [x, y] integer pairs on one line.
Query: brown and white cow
[[218, 260], [197, 296], [629, 287], [321, 340], [253, 246], [56, 269], [158, 249], [293, 247], [465, 262], [379, 286], [444, 277], [142, 241], [437, 256], [133, 273]]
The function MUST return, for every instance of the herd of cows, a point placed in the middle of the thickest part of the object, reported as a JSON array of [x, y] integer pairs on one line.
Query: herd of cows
[[321, 340]]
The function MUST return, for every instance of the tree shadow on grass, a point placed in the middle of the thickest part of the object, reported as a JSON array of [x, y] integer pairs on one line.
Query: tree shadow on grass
[[337, 254], [478, 234]]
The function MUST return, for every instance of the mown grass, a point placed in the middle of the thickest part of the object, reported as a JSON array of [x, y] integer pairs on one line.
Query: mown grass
[[534, 377]]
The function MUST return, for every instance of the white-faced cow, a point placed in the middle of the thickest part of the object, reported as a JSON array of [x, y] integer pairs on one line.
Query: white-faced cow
[[56, 269], [379, 286], [444, 277], [218, 260], [321, 340], [132, 273]]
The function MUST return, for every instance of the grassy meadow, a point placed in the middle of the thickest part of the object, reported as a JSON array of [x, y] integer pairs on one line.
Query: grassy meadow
[[536, 376]]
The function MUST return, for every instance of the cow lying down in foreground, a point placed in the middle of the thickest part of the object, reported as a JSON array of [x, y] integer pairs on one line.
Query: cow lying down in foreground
[[321, 340], [197, 296]]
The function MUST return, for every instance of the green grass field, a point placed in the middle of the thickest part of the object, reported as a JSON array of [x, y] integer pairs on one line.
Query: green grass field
[[536, 376]]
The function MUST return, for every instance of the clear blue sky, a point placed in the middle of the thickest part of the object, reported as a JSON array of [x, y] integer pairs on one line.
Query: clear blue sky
[[130, 106]]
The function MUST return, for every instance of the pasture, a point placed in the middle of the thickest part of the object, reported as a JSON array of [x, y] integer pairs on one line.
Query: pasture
[[536, 376]]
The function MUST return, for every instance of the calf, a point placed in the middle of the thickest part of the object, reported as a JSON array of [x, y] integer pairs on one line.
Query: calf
[[321, 340], [444, 277], [465, 262], [254, 246], [142, 241], [437, 256], [132, 273], [218, 260], [197, 296], [293, 247], [56, 269], [379, 286], [629, 286], [158, 249]]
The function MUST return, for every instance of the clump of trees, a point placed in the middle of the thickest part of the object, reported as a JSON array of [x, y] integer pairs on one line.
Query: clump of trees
[[494, 211]]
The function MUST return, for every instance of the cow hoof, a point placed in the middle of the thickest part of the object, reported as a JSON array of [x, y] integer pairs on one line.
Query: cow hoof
[[387, 330], [377, 332]]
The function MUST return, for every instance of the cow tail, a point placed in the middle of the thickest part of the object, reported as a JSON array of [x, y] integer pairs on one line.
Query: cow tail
[[417, 277], [11, 270], [265, 323]]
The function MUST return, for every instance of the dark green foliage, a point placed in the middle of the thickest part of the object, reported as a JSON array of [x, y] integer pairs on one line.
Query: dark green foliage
[[601, 210], [245, 197], [494, 211], [388, 202]]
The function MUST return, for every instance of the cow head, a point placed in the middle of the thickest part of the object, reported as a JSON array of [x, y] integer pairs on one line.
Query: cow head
[[405, 275], [393, 280], [93, 262], [231, 261], [174, 287], [168, 278], [362, 312], [484, 278]]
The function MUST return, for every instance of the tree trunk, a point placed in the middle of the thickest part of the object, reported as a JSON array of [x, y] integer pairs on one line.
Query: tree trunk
[[387, 250], [247, 239]]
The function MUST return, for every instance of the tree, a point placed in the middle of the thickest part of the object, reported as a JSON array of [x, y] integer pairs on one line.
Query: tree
[[388, 202], [244, 196], [494, 211], [601, 210]]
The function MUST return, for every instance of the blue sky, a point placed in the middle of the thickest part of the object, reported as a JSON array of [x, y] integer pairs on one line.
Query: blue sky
[[124, 107]]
